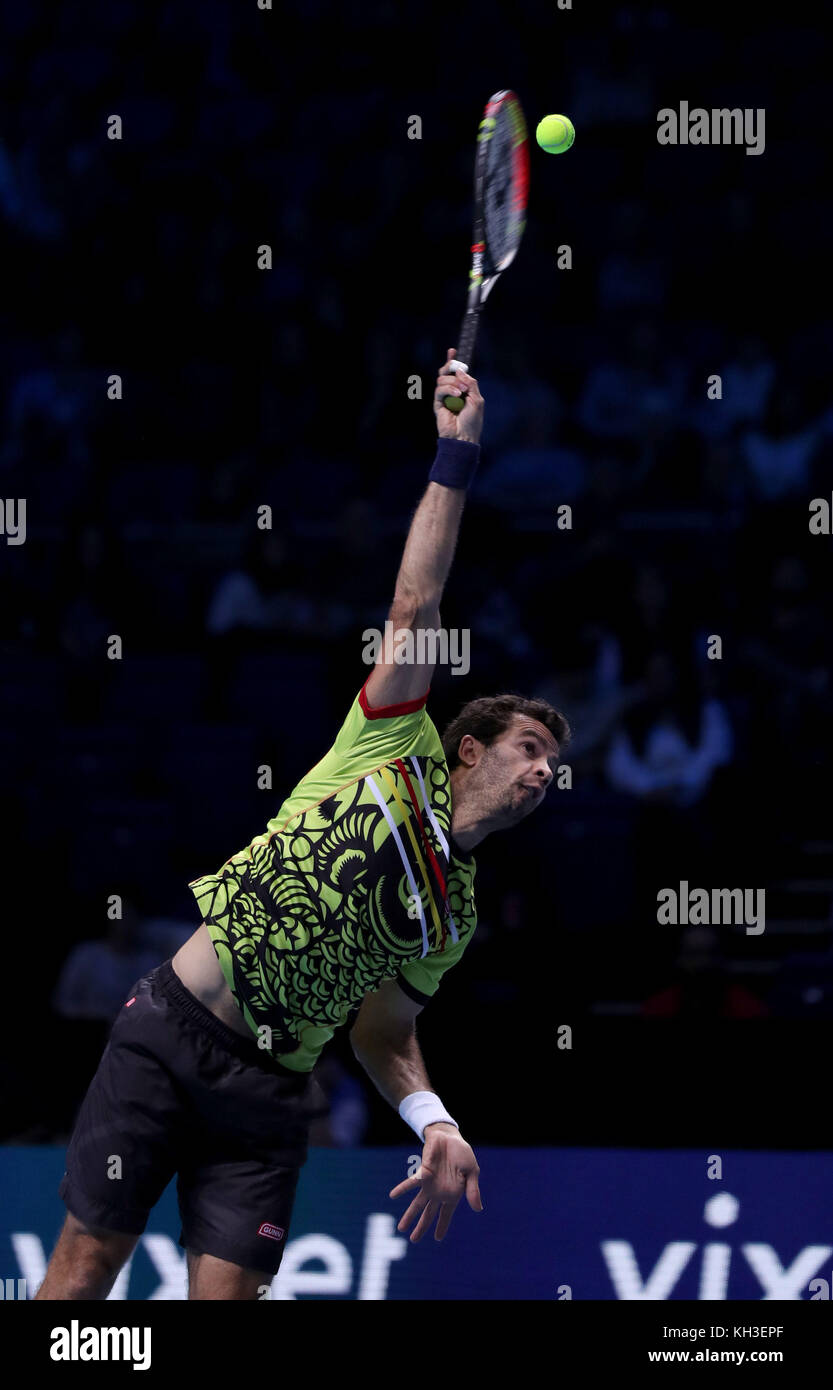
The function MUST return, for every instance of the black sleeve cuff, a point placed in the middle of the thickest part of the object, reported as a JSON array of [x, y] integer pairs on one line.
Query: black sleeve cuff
[[412, 993]]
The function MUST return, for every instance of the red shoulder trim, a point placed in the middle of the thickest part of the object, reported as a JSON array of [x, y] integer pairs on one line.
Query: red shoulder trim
[[390, 711]]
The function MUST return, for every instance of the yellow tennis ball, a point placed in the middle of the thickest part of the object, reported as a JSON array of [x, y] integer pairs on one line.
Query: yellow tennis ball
[[555, 134]]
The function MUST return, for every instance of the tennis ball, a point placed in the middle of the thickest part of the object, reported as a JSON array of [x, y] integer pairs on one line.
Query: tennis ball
[[555, 134]]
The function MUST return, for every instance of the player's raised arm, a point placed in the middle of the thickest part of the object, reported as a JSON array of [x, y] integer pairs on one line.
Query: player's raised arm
[[429, 548]]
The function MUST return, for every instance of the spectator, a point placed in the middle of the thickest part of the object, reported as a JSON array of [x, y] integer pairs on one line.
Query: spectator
[[778, 456], [262, 593], [670, 744], [699, 987], [623, 396], [97, 974]]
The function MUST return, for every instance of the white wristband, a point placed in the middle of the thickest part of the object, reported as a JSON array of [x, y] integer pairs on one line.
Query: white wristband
[[423, 1108]]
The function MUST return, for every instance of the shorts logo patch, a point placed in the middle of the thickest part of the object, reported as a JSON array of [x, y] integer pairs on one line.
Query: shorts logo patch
[[130, 1001], [273, 1232]]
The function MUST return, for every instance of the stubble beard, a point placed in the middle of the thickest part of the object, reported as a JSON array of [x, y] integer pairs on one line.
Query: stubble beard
[[498, 803]]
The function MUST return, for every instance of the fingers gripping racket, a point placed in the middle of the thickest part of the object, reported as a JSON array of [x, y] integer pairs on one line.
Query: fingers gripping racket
[[501, 187]]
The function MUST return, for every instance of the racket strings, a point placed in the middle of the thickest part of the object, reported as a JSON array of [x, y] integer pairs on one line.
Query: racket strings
[[500, 205]]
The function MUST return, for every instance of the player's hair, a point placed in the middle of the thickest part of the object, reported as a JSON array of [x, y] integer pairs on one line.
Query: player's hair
[[488, 716]]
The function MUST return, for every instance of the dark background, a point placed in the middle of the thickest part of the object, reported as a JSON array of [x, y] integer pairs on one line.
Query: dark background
[[289, 388]]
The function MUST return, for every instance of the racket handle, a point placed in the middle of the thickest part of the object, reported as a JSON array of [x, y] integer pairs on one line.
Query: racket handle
[[455, 403]]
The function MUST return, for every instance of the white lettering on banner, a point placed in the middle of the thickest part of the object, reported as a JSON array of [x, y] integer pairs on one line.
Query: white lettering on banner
[[777, 1281], [624, 1271], [171, 1263], [119, 1289], [778, 1278], [381, 1247], [785, 1282], [31, 1258], [335, 1278]]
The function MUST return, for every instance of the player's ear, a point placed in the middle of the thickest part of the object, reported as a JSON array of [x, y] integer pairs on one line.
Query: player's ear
[[469, 750]]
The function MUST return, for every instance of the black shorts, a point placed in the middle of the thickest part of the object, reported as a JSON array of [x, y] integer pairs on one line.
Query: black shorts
[[177, 1091]]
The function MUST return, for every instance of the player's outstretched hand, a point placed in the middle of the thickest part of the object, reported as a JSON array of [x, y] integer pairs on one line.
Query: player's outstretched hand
[[448, 1169], [469, 423]]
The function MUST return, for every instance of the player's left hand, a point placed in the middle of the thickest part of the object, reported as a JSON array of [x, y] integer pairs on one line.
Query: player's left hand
[[448, 1169]]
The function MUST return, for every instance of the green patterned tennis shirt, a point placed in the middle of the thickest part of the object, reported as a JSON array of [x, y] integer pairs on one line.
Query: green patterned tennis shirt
[[355, 882]]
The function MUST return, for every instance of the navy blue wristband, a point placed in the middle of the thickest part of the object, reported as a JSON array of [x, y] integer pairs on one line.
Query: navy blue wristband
[[456, 463]]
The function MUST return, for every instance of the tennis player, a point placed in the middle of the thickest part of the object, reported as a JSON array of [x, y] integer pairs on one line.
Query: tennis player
[[348, 911]]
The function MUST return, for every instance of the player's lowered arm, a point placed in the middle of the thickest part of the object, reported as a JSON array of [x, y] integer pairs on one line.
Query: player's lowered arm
[[383, 1040]]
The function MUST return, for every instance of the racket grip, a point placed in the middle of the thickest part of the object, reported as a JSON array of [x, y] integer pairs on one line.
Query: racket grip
[[455, 403]]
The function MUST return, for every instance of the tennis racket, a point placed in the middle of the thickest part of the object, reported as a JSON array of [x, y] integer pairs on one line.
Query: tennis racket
[[501, 187]]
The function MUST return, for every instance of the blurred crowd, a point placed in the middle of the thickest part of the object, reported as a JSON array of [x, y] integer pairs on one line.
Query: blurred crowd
[[681, 617]]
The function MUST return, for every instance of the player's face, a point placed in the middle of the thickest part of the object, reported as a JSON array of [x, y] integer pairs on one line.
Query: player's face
[[518, 768]]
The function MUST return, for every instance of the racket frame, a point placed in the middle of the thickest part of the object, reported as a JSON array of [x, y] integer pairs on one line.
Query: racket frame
[[484, 273]]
